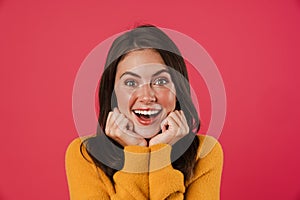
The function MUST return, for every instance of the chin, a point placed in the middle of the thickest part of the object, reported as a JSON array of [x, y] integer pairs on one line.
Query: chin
[[147, 132]]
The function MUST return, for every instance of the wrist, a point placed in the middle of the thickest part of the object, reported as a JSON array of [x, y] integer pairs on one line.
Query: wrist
[[136, 159], [160, 156]]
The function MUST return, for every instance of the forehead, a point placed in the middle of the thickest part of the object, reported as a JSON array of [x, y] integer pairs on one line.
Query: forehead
[[141, 61]]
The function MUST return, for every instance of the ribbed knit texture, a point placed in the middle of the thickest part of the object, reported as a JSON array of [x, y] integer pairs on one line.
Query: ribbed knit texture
[[147, 174]]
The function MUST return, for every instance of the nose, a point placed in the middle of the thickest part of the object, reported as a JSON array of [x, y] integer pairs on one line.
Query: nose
[[146, 94]]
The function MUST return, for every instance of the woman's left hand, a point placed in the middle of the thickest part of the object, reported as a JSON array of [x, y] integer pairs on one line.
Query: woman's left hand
[[174, 127]]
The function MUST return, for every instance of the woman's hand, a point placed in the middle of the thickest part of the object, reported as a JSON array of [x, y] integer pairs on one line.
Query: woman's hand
[[120, 129], [174, 127]]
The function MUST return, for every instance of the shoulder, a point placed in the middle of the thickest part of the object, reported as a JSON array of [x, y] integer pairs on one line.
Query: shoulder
[[209, 147], [209, 161], [74, 143], [74, 146], [76, 151]]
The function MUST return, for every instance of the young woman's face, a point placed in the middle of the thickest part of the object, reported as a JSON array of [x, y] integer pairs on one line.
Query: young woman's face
[[145, 91]]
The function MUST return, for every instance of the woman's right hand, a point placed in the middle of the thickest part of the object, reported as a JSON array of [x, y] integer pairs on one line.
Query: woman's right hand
[[120, 129]]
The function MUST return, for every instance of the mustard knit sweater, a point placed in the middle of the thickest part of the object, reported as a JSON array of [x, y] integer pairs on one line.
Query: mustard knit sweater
[[88, 182]]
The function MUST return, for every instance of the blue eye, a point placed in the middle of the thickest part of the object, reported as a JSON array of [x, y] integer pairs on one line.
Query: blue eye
[[130, 83], [161, 81]]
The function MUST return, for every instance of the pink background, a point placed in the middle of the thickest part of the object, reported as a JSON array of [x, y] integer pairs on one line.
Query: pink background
[[255, 45]]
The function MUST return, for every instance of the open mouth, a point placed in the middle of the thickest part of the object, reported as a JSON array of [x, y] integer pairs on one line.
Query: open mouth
[[146, 117]]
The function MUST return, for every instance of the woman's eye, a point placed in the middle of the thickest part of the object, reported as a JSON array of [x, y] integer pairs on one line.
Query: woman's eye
[[130, 83], [161, 81]]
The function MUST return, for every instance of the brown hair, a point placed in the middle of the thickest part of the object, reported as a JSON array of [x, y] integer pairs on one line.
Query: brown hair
[[107, 153]]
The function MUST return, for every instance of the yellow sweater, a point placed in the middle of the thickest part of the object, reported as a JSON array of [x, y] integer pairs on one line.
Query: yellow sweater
[[88, 182]]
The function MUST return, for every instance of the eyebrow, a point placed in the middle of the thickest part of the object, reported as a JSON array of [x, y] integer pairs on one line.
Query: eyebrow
[[160, 71], [130, 73], [138, 76]]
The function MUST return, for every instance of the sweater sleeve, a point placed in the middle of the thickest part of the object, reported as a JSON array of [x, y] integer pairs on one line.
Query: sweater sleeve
[[83, 179], [88, 182], [206, 181], [165, 182], [132, 181]]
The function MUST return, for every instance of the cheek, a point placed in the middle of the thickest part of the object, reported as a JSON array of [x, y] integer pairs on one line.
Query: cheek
[[123, 98], [167, 99]]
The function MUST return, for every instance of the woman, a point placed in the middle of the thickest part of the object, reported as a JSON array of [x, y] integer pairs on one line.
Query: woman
[[146, 145]]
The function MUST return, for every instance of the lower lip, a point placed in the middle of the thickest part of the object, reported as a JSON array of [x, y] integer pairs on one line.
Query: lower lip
[[146, 122]]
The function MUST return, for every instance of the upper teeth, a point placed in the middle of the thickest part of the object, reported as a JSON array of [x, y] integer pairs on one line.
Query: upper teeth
[[146, 112]]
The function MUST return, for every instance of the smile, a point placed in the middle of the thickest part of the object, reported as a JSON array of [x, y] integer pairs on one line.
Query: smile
[[146, 116]]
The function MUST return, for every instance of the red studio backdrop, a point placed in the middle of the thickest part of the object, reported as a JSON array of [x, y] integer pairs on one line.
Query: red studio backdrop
[[255, 45]]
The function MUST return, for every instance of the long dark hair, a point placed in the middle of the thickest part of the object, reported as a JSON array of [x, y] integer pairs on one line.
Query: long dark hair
[[108, 154]]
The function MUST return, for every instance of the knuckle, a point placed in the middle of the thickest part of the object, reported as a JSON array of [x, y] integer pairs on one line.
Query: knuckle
[[171, 114], [108, 133], [122, 126], [117, 134]]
